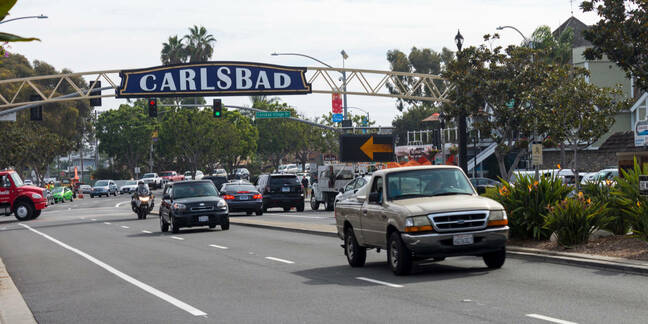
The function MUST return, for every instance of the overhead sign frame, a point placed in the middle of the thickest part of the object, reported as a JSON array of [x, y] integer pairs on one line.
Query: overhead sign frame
[[228, 78]]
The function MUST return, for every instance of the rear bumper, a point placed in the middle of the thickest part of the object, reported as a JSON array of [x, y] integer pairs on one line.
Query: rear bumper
[[440, 244], [278, 201], [192, 219], [244, 205]]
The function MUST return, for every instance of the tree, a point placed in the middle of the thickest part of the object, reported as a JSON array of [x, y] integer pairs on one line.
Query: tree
[[277, 137], [238, 139], [556, 50], [621, 34], [173, 51], [5, 6], [199, 46]]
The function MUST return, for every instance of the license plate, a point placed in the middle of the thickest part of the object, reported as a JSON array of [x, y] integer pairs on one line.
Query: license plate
[[203, 218], [463, 239], [285, 189], [244, 197]]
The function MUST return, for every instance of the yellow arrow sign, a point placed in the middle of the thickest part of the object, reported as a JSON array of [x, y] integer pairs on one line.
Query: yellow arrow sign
[[369, 148]]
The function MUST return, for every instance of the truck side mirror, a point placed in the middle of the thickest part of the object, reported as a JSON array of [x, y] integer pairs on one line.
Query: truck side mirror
[[166, 197], [374, 197]]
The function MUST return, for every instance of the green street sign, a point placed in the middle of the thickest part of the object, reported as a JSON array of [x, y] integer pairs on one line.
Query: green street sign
[[272, 114]]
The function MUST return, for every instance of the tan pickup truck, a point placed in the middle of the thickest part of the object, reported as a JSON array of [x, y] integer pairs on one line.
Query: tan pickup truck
[[426, 212]]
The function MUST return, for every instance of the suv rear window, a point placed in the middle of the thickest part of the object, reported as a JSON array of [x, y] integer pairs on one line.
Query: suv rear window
[[237, 188], [281, 181]]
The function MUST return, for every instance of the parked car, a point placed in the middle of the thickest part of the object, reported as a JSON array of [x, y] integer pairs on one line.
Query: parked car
[[242, 173], [281, 190], [85, 189], [418, 213], [170, 176], [104, 188], [482, 183], [291, 168], [192, 203], [152, 180], [61, 194], [589, 177], [242, 197], [129, 187], [607, 174], [352, 188], [188, 176], [217, 180], [28, 182], [220, 172]]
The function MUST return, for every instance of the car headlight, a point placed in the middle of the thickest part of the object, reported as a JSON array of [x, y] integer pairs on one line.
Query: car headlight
[[418, 224], [37, 196], [178, 206], [497, 218], [221, 204]]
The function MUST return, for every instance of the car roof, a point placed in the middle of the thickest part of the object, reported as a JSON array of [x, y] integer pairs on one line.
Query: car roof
[[412, 168]]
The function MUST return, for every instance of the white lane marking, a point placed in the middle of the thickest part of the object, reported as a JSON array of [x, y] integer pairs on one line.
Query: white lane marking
[[549, 319], [298, 216], [219, 246], [380, 282], [124, 226], [107, 223], [121, 203], [147, 232], [157, 293], [279, 260], [177, 238]]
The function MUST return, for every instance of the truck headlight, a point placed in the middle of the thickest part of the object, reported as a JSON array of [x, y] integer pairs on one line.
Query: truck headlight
[[418, 224], [497, 218], [37, 196], [178, 206], [221, 204]]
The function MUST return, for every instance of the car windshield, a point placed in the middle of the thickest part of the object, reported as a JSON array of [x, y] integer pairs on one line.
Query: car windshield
[[427, 183], [238, 188], [194, 189], [149, 175], [16, 179], [101, 183], [165, 174]]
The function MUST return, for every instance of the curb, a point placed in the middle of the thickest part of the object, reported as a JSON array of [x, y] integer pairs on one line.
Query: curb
[[13, 309], [279, 227]]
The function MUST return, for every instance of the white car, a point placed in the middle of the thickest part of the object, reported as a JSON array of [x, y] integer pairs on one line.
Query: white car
[[199, 175], [290, 168], [152, 180]]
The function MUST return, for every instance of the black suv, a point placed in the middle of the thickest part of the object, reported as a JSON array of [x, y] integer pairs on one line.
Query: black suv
[[192, 203], [281, 190]]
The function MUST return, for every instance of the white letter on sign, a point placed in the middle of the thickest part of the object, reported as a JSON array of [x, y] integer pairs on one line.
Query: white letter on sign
[[187, 78], [281, 80], [203, 80], [262, 80], [224, 80], [243, 79], [143, 83], [167, 82]]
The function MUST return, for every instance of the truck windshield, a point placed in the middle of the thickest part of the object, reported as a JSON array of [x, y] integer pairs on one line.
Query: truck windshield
[[149, 175], [427, 183], [16, 179], [101, 183]]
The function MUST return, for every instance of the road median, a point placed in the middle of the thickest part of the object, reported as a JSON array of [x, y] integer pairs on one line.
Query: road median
[[13, 308]]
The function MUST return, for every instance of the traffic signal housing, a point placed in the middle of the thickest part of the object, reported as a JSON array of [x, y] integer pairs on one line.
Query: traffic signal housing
[[152, 107], [218, 108], [36, 113], [95, 85]]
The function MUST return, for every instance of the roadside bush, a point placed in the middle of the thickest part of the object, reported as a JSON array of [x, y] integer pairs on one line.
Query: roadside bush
[[626, 193], [527, 202], [574, 219], [638, 215], [602, 192]]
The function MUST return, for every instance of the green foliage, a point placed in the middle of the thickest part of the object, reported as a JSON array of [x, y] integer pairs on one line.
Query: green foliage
[[602, 192], [633, 204], [110, 173], [527, 202], [574, 219], [556, 50], [638, 214], [412, 119], [5, 6], [621, 35]]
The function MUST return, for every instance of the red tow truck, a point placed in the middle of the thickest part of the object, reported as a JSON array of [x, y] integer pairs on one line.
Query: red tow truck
[[25, 202], [170, 176]]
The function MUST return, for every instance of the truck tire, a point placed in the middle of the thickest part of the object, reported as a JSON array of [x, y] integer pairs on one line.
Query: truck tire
[[37, 213], [495, 260], [24, 211], [329, 205], [399, 256], [300, 208], [314, 203], [356, 254]]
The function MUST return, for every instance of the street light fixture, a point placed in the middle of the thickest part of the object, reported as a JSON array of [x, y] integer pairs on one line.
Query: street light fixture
[[27, 17], [461, 123], [526, 40], [459, 40]]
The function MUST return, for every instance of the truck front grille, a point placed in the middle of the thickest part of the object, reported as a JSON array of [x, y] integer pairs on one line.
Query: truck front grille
[[459, 221]]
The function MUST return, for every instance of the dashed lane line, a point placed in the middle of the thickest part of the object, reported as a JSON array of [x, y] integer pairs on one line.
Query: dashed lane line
[[107, 223], [280, 260], [124, 226], [384, 283], [219, 246], [549, 319], [153, 291], [177, 238], [121, 203], [147, 232]]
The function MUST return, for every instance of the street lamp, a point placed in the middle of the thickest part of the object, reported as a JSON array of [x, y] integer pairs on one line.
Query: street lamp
[[27, 17], [526, 40], [461, 127]]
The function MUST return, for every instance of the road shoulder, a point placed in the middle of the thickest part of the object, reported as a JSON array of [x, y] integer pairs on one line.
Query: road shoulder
[[13, 308]]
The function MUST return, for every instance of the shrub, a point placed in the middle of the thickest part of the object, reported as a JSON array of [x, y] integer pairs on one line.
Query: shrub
[[574, 219], [602, 192], [626, 192], [527, 202]]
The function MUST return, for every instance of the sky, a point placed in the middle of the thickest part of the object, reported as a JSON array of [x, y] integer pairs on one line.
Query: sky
[[92, 35]]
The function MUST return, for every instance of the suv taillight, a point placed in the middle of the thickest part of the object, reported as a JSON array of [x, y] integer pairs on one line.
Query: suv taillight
[[228, 197]]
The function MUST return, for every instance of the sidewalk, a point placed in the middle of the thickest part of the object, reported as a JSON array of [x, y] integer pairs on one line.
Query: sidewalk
[[13, 308], [579, 259]]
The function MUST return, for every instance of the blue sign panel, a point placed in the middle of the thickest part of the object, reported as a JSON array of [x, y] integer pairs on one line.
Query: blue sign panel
[[213, 79], [337, 118]]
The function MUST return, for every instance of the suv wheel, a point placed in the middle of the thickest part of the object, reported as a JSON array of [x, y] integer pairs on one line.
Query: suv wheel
[[24, 211], [398, 255], [300, 208], [225, 224], [174, 226], [259, 212], [356, 254], [495, 260], [314, 203]]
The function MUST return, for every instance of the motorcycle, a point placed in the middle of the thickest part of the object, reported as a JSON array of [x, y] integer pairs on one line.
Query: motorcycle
[[142, 205]]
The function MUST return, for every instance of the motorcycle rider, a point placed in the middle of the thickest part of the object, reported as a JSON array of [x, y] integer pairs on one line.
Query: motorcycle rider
[[141, 191]]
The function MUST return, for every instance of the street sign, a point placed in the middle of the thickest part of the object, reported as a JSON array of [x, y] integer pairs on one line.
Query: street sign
[[272, 114], [347, 123], [137, 170], [367, 148], [8, 117], [212, 79], [338, 118], [643, 185], [336, 103], [536, 154]]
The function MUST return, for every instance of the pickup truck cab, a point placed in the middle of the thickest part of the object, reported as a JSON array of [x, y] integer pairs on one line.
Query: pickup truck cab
[[170, 176], [152, 180], [425, 212], [24, 201]]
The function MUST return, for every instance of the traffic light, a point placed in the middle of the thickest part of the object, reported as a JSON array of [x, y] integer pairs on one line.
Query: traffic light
[[36, 113], [218, 108], [95, 85], [152, 105]]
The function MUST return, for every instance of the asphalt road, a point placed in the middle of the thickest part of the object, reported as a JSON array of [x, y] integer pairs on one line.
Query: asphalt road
[[92, 261]]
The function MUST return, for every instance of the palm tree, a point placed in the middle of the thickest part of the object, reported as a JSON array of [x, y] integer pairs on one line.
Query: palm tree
[[199, 47], [173, 52]]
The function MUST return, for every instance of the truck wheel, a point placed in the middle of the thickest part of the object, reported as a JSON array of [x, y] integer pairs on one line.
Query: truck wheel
[[330, 206], [164, 226], [286, 209], [314, 203], [37, 213], [495, 260], [24, 211], [398, 255], [300, 208], [356, 254]]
